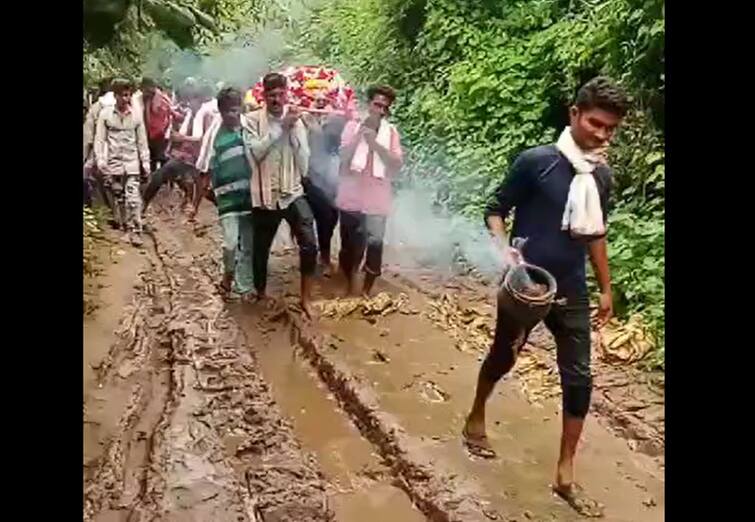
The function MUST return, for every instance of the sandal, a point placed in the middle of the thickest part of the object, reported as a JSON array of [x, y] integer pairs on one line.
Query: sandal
[[478, 445], [576, 497]]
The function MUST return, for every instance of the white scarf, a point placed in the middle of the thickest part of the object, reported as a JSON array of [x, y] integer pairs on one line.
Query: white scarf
[[107, 99], [359, 161], [583, 215], [184, 130]]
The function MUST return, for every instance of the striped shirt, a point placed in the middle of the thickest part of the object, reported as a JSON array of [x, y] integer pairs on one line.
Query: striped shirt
[[231, 174]]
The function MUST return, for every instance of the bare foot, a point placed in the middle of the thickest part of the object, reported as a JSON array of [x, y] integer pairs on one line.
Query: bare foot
[[306, 307], [476, 441], [225, 283], [576, 497]]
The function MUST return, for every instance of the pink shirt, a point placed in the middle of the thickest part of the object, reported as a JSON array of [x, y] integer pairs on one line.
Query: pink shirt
[[361, 191]]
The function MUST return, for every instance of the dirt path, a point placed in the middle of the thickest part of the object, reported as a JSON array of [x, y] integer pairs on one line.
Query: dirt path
[[226, 411]]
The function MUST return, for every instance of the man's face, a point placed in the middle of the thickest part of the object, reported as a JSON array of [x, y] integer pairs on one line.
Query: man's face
[[148, 92], [593, 128], [231, 116], [123, 98], [379, 107], [195, 102], [275, 99]]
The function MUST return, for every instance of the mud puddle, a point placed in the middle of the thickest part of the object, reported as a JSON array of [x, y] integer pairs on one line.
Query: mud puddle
[[360, 484]]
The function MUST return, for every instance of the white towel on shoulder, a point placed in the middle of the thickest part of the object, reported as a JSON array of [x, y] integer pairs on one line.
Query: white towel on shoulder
[[359, 161], [583, 215]]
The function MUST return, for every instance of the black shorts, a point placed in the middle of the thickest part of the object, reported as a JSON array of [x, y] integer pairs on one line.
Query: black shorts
[[570, 325]]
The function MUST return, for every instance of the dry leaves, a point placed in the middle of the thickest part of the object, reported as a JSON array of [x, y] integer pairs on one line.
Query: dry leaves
[[623, 342], [470, 328], [380, 305]]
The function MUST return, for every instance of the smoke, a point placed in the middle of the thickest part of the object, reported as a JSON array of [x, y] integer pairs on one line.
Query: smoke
[[239, 59], [420, 233]]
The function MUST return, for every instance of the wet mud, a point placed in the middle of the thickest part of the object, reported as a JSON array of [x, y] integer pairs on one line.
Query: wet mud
[[208, 409]]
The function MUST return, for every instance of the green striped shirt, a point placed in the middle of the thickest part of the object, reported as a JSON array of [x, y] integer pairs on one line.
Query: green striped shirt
[[231, 174]]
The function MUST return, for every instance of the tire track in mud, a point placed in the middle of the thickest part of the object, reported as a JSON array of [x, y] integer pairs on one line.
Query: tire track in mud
[[199, 437]]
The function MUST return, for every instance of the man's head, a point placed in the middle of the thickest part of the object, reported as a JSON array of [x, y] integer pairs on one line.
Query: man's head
[[275, 93], [597, 112], [149, 86], [229, 106], [104, 86], [380, 98], [122, 90]]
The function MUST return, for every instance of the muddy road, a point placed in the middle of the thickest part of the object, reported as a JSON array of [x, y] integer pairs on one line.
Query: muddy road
[[200, 409]]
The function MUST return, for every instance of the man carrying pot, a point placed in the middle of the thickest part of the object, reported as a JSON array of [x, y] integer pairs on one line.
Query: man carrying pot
[[560, 193]]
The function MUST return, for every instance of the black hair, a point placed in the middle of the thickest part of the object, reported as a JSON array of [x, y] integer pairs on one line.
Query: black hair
[[229, 97], [148, 82], [104, 85], [385, 90], [274, 81], [119, 85], [602, 93]]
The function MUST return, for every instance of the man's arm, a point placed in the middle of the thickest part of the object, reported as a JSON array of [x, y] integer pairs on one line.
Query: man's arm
[[177, 137], [300, 144], [598, 253], [142, 145], [391, 160], [259, 144], [89, 129], [510, 193], [100, 142]]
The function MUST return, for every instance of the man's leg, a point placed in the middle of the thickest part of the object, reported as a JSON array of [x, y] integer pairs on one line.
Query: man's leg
[[230, 227], [133, 204], [201, 191], [353, 242], [299, 217], [375, 228], [158, 178], [322, 211], [570, 326], [265, 224], [508, 340], [244, 275], [186, 181], [117, 190]]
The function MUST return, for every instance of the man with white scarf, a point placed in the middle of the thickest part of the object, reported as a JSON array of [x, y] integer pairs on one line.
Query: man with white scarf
[[560, 193], [371, 156]]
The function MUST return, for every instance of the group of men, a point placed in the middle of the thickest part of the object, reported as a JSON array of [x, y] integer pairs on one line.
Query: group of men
[[280, 162], [274, 163]]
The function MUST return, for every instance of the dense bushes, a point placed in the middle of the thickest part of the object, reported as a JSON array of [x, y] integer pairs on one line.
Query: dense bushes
[[483, 80]]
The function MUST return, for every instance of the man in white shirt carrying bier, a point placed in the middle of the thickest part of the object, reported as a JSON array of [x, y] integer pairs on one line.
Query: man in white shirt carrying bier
[[277, 139]]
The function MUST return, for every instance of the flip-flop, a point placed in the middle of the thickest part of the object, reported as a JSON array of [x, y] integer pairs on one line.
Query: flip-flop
[[478, 445], [576, 497]]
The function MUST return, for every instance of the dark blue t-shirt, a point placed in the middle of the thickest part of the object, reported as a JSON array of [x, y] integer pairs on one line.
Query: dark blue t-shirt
[[537, 187]]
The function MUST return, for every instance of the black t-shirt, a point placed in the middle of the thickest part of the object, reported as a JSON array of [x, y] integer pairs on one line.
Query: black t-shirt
[[537, 187]]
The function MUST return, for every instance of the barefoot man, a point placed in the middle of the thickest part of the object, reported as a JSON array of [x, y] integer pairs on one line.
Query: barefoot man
[[560, 193], [371, 156], [277, 139]]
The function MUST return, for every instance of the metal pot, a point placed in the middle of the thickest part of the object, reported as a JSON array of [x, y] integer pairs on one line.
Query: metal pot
[[521, 307]]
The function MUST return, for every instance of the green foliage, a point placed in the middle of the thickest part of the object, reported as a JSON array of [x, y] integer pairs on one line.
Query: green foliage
[[482, 80]]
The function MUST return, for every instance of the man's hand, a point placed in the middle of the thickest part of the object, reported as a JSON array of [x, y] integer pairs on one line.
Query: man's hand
[[370, 136], [605, 310], [291, 117], [145, 172]]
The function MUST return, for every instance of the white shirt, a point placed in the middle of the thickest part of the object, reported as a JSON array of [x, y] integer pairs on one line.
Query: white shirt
[[207, 107]]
